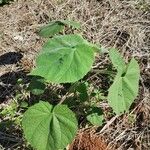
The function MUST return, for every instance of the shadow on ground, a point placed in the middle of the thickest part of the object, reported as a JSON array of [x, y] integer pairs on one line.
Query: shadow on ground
[[8, 83], [8, 80], [10, 58], [4, 2]]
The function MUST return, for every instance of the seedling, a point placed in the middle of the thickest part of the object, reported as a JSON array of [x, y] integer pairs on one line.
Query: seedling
[[67, 59]]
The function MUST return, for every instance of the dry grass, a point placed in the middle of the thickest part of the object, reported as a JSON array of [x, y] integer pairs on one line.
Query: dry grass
[[111, 23], [88, 140]]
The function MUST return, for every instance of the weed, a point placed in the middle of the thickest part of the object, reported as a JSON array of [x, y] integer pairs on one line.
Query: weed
[[67, 59]]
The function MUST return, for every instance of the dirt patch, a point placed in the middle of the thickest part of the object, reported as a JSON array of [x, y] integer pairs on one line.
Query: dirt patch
[[86, 140]]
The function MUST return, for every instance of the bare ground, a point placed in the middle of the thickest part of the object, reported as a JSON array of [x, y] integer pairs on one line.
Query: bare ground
[[112, 23]]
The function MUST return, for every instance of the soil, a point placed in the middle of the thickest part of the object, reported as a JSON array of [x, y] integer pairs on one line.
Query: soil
[[122, 24]]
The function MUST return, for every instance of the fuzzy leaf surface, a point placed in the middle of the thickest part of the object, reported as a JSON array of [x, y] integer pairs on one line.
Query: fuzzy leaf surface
[[49, 128], [117, 60], [64, 59], [124, 89]]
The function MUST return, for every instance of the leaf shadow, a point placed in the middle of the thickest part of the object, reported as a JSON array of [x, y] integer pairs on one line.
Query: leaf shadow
[[10, 58]]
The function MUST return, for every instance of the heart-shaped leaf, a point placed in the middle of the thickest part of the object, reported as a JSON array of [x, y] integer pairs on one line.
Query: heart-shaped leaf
[[65, 58], [49, 128], [124, 89]]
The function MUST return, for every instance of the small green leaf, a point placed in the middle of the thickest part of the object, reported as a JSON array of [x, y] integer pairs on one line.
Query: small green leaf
[[82, 89], [24, 104], [96, 116], [51, 29], [49, 128], [20, 81], [117, 61], [55, 27], [83, 97], [64, 59], [124, 89], [73, 24], [37, 85]]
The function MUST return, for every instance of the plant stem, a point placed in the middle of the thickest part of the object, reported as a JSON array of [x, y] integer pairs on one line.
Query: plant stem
[[97, 71]]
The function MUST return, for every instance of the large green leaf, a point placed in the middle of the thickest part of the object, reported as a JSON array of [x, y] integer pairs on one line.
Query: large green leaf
[[49, 128], [117, 61], [65, 58], [124, 89]]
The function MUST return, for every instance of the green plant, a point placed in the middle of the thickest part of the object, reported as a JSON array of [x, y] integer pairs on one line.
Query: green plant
[[55, 27], [124, 89], [67, 59], [66, 56]]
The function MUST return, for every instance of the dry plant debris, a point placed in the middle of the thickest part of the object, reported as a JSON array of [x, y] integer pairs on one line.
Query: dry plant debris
[[112, 23], [87, 140]]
